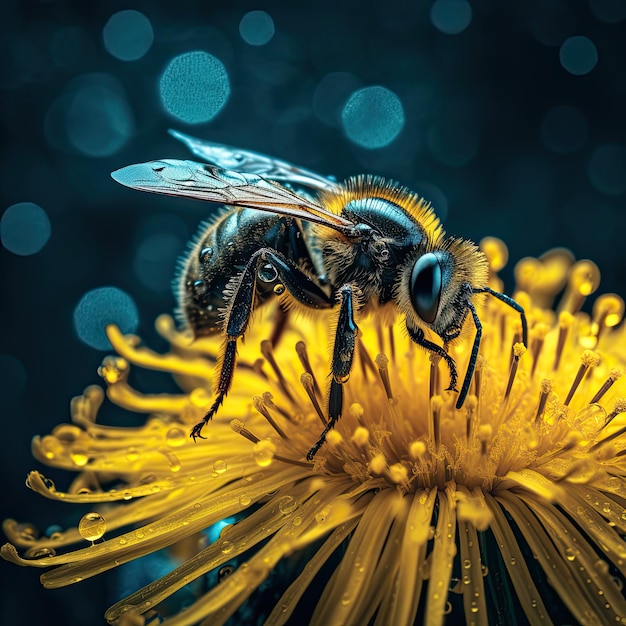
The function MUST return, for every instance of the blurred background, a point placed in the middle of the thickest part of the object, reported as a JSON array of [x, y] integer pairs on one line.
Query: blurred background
[[509, 117]]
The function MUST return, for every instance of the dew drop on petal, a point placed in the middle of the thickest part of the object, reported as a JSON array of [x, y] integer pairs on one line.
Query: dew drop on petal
[[175, 437], [92, 526], [220, 466], [286, 505]]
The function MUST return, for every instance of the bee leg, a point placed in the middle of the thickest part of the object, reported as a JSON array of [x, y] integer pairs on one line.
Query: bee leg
[[239, 310], [418, 337], [514, 305], [341, 364], [471, 365]]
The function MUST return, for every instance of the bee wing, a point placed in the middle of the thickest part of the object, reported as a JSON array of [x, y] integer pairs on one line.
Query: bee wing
[[204, 182], [250, 162]]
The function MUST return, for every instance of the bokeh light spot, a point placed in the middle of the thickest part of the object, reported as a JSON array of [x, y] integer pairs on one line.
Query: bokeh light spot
[[12, 377], [607, 169], [194, 87], [95, 114], [609, 11], [128, 35], [24, 228], [451, 16], [102, 306], [257, 28], [373, 117], [564, 129], [578, 55]]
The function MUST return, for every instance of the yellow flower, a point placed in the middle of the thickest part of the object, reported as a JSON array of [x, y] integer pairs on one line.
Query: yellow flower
[[412, 509]]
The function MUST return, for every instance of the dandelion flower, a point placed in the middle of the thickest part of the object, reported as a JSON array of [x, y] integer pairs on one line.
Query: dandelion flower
[[412, 511]]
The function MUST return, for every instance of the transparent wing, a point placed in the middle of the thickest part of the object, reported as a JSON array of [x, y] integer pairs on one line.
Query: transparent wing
[[205, 182], [250, 162]]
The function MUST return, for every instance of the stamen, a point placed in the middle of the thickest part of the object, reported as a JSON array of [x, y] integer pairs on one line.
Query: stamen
[[620, 407], [268, 398], [478, 375], [608, 311], [470, 407], [259, 404], [566, 320], [366, 359], [436, 404], [434, 367], [485, 431], [518, 350], [608, 383], [584, 278], [238, 427], [546, 388], [304, 359], [257, 368], [267, 351], [308, 382], [589, 359], [382, 363], [612, 437], [539, 332]]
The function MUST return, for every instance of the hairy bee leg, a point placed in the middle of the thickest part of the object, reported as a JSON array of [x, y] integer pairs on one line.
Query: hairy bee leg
[[239, 311], [341, 364], [471, 365], [418, 337], [514, 305]]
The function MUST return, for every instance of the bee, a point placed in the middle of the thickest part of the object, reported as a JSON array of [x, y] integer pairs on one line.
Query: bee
[[363, 245]]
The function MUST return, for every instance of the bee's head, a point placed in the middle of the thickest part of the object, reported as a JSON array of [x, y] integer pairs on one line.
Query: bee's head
[[436, 284]]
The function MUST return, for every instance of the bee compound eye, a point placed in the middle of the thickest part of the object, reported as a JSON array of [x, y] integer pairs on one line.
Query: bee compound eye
[[267, 273], [426, 283]]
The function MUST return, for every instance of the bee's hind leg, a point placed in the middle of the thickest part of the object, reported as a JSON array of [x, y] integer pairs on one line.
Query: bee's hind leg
[[341, 365]]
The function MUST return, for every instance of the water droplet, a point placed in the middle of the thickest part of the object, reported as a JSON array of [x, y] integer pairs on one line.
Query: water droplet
[[322, 515], [206, 254], [227, 547], [175, 437], [244, 499], [267, 273], [264, 453], [297, 520], [286, 505], [220, 466], [570, 554], [279, 289], [513, 561], [345, 599], [467, 564], [92, 526]]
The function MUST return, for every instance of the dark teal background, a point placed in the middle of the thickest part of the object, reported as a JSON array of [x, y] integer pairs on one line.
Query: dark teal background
[[496, 80]]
